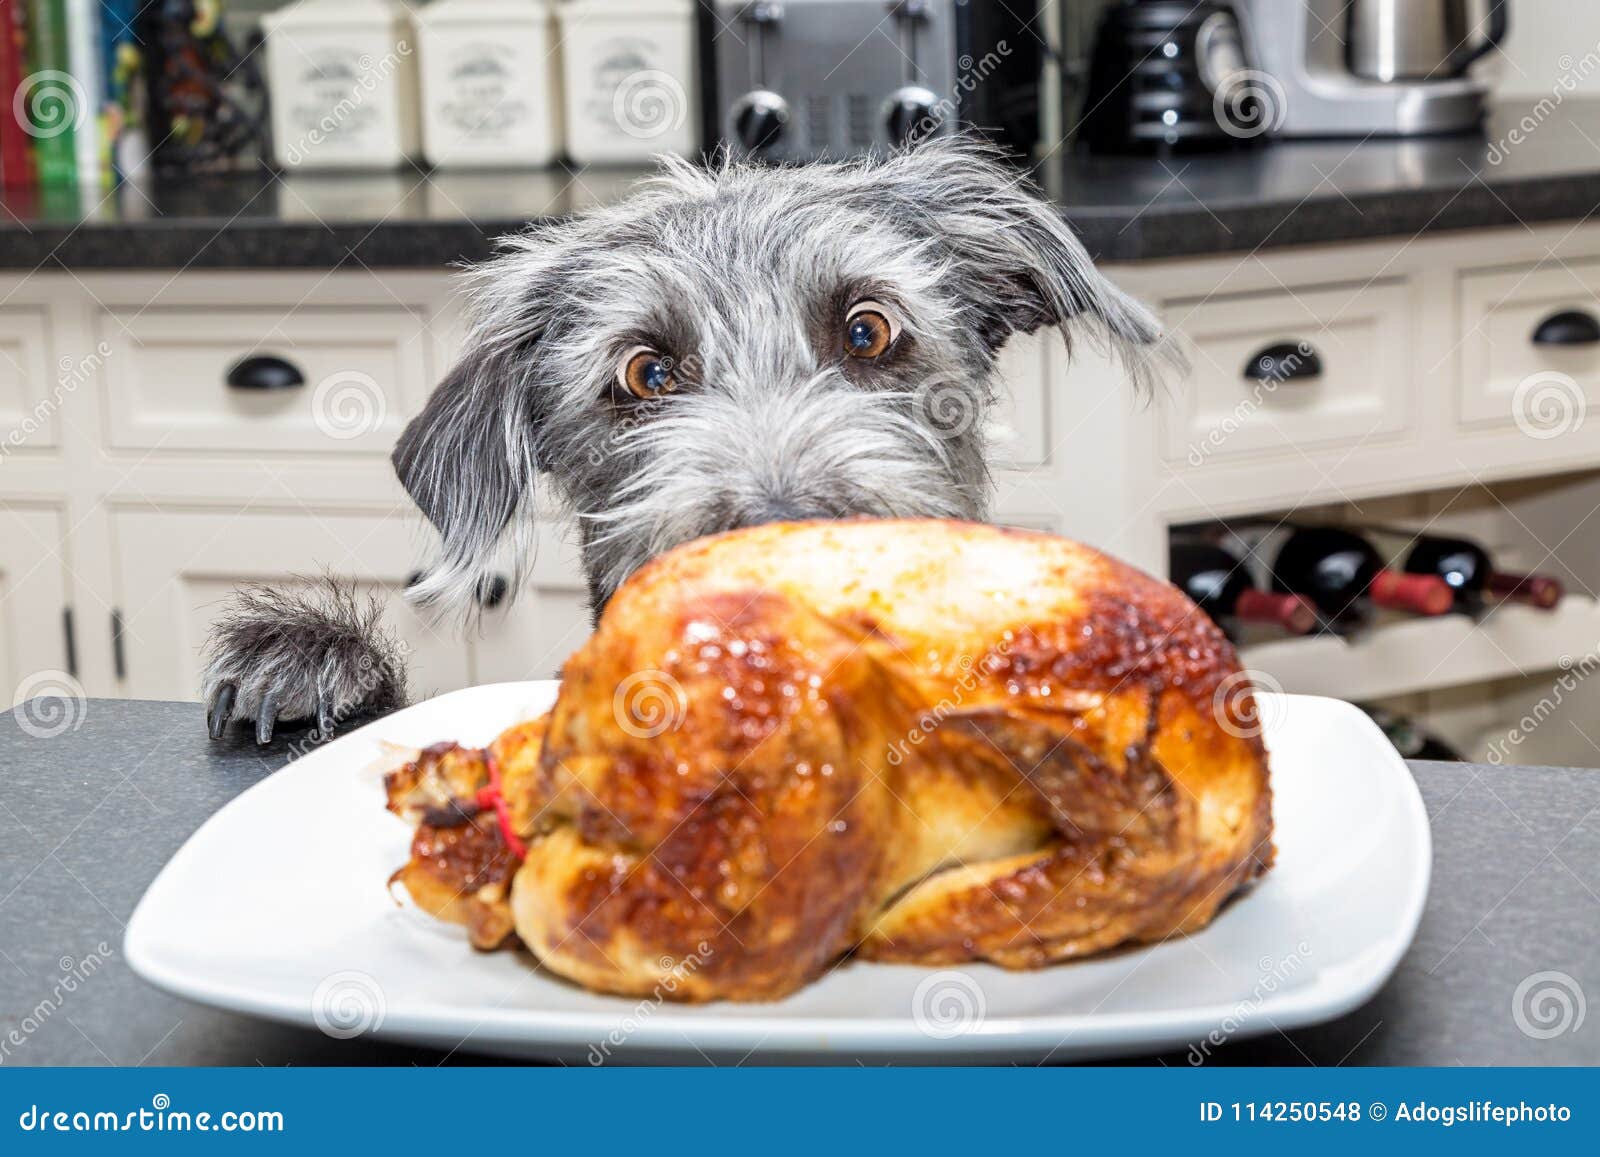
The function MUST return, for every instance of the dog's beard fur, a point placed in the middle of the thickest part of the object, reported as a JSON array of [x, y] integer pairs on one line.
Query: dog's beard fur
[[746, 455], [744, 276]]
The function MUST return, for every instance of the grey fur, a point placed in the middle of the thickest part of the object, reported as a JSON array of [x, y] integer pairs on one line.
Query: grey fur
[[743, 274], [315, 651]]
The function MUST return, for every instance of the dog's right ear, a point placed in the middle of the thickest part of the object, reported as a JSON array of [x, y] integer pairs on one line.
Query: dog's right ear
[[469, 462], [1020, 263]]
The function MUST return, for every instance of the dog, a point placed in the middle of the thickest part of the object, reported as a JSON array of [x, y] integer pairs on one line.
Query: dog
[[731, 345]]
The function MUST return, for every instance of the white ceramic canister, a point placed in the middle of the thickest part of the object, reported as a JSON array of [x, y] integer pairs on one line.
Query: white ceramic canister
[[491, 83], [630, 80], [343, 83]]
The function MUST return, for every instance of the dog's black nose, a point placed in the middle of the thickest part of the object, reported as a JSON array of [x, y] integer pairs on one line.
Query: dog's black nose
[[781, 510]]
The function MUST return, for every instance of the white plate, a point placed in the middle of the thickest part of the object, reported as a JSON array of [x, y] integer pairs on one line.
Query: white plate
[[277, 907]]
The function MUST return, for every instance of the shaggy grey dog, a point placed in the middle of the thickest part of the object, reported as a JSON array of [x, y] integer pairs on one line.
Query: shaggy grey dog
[[729, 346]]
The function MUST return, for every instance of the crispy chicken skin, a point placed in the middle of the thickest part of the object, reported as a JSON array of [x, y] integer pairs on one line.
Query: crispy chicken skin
[[461, 865], [921, 741]]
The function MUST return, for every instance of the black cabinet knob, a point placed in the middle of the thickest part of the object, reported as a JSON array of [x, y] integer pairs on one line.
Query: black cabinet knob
[[1284, 362], [1569, 327], [264, 372]]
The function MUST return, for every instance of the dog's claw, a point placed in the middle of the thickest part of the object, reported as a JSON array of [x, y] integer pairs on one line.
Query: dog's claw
[[220, 709], [265, 718], [316, 653]]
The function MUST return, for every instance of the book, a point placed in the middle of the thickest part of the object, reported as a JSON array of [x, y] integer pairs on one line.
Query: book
[[50, 100], [83, 63], [122, 96], [16, 147]]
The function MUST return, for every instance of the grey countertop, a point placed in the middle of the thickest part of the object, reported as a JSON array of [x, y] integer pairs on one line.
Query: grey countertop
[[1126, 209], [89, 816]]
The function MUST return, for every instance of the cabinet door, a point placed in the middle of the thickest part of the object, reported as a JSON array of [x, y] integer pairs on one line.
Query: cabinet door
[[177, 570], [531, 638], [33, 649], [1020, 426], [28, 403]]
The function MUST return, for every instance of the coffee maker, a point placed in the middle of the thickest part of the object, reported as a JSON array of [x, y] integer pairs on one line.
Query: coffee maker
[[1165, 76], [1358, 68]]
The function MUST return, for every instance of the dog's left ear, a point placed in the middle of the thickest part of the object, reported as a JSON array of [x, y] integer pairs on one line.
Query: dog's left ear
[[468, 461], [1022, 266]]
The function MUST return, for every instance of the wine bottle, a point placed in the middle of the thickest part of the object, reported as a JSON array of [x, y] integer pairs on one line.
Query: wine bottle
[[1411, 740], [1469, 570], [1221, 587], [1344, 576]]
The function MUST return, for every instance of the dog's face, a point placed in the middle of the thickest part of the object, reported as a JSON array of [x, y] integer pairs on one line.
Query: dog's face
[[747, 345]]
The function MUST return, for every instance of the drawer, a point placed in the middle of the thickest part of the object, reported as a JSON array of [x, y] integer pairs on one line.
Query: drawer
[[306, 380], [1530, 347], [1344, 359], [30, 393]]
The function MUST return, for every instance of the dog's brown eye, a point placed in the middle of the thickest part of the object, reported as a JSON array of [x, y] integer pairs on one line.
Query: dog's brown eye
[[869, 330], [644, 373]]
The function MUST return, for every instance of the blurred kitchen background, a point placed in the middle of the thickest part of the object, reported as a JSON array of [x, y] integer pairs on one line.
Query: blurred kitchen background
[[229, 233]]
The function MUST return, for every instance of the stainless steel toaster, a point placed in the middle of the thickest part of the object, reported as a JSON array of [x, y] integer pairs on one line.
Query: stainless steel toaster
[[797, 80]]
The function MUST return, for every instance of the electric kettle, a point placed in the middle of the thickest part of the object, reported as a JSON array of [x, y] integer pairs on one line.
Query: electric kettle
[[1400, 40]]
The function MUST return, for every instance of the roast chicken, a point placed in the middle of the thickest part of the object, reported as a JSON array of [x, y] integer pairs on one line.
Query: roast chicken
[[914, 741]]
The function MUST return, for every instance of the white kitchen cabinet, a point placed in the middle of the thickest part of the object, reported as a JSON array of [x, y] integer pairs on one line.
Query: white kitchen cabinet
[[1531, 350], [1021, 423], [1341, 371], [33, 602], [334, 380], [176, 569], [531, 638], [27, 405]]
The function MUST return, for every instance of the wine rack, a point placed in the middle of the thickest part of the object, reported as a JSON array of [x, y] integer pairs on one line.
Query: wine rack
[[1517, 685], [1417, 655]]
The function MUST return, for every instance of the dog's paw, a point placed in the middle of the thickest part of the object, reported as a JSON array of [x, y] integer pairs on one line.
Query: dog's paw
[[311, 652]]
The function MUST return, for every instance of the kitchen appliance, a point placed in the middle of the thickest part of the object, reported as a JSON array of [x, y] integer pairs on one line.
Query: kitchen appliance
[[1165, 76], [798, 80], [1372, 67], [1398, 40]]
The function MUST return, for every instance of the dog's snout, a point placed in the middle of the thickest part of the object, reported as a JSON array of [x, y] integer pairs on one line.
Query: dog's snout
[[780, 510]]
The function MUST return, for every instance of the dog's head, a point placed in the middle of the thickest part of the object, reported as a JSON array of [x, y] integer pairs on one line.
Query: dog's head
[[744, 345]]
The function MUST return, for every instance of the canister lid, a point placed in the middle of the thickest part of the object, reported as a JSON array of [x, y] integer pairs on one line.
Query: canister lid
[[622, 9], [328, 13], [475, 10]]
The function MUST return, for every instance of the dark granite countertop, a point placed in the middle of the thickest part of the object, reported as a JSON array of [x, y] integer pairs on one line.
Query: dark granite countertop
[[89, 816], [1126, 209], [1317, 192]]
